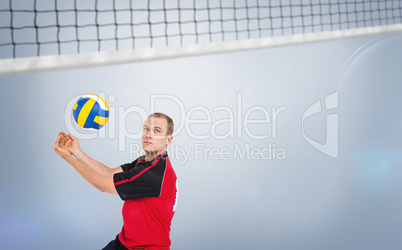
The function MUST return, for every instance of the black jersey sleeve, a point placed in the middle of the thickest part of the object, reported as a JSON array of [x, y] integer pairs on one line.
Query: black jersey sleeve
[[143, 180], [127, 166]]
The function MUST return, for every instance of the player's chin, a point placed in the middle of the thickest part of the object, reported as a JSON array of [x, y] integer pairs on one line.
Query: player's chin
[[148, 148]]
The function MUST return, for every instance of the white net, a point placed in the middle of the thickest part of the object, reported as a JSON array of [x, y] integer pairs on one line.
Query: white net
[[61, 34]]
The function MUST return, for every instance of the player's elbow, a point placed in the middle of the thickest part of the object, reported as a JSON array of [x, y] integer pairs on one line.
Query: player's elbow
[[100, 188], [108, 189], [106, 185]]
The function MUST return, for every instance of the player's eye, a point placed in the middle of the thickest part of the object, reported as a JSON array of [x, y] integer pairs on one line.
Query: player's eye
[[157, 131]]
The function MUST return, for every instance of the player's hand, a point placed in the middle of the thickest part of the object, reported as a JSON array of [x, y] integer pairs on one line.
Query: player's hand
[[69, 142], [59, 148]]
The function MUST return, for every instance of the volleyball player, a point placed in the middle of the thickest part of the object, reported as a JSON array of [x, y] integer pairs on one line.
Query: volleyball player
[[147, 185]]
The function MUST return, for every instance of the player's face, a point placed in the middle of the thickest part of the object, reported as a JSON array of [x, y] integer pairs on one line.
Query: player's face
[[154, 138]]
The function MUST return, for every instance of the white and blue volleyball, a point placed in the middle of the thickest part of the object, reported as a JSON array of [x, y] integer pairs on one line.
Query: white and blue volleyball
[[91, 112]]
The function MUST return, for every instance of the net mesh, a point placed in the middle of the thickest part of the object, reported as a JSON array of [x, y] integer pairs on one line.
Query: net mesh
[[43, 27]]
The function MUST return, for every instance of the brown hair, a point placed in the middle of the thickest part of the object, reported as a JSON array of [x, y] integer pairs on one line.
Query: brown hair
[[170, 124]]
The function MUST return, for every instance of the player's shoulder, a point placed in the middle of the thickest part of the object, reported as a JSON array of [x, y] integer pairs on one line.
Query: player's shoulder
[[163, 156], [139, 159], [162, 159]]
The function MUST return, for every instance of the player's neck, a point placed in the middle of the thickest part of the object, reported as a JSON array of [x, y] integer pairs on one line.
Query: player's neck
[[150, 156]]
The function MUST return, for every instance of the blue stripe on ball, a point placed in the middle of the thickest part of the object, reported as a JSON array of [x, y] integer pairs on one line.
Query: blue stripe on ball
[[89, 123], [103, 113], [96, 125]]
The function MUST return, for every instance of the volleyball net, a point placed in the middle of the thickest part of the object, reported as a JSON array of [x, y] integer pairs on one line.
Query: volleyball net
[[44, 35]]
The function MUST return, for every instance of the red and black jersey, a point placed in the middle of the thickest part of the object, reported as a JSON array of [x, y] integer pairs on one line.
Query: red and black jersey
[[149, 190]]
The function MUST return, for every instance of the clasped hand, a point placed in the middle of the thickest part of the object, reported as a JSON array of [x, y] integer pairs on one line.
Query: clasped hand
[[66, 145]]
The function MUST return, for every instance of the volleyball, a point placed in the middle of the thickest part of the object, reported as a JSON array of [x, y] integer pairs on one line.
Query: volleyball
[[91, 112]]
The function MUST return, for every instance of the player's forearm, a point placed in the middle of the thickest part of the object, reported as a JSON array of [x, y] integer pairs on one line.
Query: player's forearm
[[100, 168], [102, 183]]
